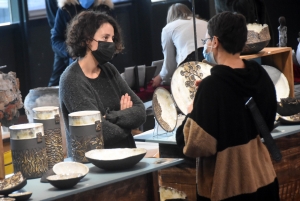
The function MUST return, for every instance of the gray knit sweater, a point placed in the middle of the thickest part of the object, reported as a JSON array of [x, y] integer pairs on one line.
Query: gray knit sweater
[[77, 94]]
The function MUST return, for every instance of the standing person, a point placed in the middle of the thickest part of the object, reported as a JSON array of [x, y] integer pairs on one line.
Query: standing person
[[233, 163], [66, 11], [282, 30], [92, 83], [177, 40]]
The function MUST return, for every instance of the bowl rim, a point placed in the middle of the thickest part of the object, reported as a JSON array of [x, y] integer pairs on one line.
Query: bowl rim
[[70, 162], [96, 150]]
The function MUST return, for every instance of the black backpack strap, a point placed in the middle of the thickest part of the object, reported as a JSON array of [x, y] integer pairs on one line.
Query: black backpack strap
[[263, 129]]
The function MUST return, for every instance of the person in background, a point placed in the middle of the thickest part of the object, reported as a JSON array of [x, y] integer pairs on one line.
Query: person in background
[[92, 83], [66, 11], [177, 40], [233, 163]]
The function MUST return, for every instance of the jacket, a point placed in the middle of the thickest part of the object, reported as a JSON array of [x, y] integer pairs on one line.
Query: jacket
[[232, 161]]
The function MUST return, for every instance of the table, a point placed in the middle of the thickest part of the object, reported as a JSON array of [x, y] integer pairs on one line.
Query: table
[[183, 176], [136, 183]]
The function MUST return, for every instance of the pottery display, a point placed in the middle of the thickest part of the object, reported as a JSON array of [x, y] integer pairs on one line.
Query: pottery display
[[164, 109], [115, 159], [280, 82], [64, 181], [40, 97], [183, 82], [63, 168], [13, 183], [258, 38], [85, 134], [50, 118], [28, 149]]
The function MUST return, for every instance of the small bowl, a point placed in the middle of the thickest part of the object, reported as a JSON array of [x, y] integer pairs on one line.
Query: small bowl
[[13, 183], [115, 159], [20, 196], [66, 168], [65, 181]]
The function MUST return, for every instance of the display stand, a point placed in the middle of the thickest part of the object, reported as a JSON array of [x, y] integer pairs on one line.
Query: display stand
[[280, 58], [157, 130]]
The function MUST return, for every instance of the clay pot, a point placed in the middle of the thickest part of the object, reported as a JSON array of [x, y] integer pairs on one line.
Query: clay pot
[[44, 96]]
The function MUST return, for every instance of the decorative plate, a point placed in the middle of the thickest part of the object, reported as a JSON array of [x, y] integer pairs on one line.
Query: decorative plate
[[280, 82], [115, 159], [183, 82], [164, 109]]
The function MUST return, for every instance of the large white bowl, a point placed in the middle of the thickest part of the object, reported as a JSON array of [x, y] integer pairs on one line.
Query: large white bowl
[[66, 168], [115, 159]]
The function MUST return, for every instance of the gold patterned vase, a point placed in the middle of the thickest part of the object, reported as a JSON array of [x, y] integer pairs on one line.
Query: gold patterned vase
[[50, 118], [85, 134], [28, 149]]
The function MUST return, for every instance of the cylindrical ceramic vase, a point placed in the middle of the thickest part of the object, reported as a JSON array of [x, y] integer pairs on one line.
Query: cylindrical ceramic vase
[[49, 117], [85, 134], [28, 149]]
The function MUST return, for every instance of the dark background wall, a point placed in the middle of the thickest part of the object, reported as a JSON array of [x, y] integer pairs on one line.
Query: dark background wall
[[26, 48]]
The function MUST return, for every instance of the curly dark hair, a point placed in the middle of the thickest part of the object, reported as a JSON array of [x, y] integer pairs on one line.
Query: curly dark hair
[[82, 29], [231, 30]]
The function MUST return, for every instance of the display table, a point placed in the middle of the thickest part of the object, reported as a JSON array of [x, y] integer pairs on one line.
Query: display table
[[136, 183], [183, 176]]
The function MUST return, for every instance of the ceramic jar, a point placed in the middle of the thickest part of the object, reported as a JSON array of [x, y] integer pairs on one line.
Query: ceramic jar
[[50, 118], [28, 149], [85, 134]]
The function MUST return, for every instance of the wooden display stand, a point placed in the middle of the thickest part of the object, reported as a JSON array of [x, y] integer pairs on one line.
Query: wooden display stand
[[279, 57]]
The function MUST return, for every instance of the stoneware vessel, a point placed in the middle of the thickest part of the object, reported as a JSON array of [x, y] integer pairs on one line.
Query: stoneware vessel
[[28, 149], [85, 134], [50, 118], [116, 159], [44, 96], [164, 109], [70, 168]]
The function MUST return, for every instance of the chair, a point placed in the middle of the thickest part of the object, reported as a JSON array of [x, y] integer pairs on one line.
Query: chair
[[158, 65]]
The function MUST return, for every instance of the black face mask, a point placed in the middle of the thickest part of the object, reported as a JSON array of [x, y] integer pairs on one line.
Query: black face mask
[[105, 51]]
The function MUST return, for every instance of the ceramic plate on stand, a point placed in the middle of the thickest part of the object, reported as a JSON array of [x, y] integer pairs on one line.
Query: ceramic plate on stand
[[183, 82], [164, 109], [280, 82]]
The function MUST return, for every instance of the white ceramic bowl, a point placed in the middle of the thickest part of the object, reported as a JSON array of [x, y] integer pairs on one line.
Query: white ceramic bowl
[[66, 168]]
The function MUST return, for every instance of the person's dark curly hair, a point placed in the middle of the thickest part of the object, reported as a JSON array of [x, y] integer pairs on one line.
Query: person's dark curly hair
[[82, 29], [231, 30]]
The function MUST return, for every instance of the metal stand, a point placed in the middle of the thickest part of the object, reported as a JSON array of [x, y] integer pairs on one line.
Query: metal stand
[[156, 129]]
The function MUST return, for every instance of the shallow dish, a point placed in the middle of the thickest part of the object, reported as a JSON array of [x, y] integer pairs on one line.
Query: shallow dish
[[183, 82], [115, 159], [164, 109], [65, 168], [13, 183], [20, 196], [65, 181], [280, 82]]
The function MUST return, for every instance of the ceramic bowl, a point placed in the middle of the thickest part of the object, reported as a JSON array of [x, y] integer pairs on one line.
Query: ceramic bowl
[[13, 183], [20, 196], [7, 199], [164, 109], [65, 168], [115, 159], [65, 181]]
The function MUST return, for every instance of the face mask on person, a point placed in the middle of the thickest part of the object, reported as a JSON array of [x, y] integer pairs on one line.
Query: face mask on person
[[104, 52], [209, 56], [86, 3]]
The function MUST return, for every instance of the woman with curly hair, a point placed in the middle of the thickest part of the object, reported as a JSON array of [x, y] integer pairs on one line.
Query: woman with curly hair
[[92, 83]]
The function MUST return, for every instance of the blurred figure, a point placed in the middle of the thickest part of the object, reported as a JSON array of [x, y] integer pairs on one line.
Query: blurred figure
[[177, 40], [66, 11]]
